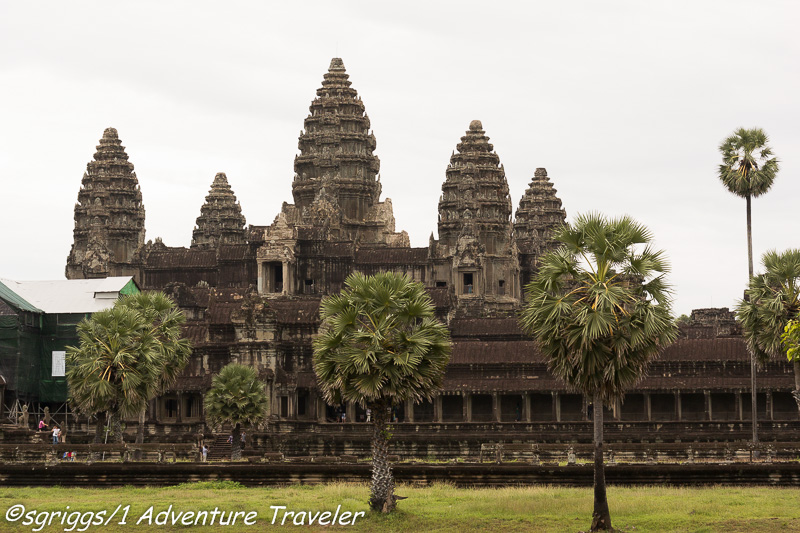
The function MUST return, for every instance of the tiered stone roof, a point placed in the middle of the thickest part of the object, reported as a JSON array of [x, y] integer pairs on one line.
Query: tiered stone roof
[[538, 215], [475, 198], [336, 151], [109, 209], [221, 220]]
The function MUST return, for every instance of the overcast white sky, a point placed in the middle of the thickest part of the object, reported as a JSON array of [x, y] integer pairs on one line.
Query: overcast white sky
[[624, 103]]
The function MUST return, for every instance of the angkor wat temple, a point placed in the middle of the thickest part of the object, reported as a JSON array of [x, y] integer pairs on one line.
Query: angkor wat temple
[[251, 294]]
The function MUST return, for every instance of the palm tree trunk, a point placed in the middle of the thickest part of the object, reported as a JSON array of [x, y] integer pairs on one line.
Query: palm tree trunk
[[115, 420], [236, 445], [796, 391], [382, 493], [754, 396], [753, 366], [749, 240], [99, 428], [137, 452], [601, 517]]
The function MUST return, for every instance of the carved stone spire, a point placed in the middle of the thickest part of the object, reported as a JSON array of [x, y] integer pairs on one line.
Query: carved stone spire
[[221, 220], [109, 215], [336, 151], [475, 197], [538, 215]]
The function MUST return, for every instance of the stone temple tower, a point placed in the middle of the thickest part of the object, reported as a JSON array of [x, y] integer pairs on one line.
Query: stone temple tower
[[336, 181], [475, 253], [539, 214], [109, 216], [221, 220]]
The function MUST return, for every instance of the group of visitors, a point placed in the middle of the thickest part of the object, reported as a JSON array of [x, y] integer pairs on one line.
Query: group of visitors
[[59, 436]]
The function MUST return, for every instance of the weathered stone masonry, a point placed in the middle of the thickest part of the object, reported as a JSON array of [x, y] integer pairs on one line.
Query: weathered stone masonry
[[251, 293]]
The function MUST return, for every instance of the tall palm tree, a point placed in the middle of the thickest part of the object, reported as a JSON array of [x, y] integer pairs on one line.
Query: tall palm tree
[[772, 301], [236, 397], [599, 308], [748, 169], [115, 366], [379, 346], [165, 320]]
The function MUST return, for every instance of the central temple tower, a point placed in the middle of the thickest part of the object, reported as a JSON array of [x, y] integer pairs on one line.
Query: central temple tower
[[336, 182]]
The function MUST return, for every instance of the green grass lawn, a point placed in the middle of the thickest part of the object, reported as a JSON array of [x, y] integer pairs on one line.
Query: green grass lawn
[[427, 509]]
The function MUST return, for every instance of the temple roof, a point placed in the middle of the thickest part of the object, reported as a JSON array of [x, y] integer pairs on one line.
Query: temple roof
[[221, 220], [109, 203], [475, 198], [336, 171], [538, 215]]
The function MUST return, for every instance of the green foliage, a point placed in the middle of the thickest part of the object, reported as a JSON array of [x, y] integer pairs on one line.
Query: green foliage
[[771, 301], [160, 311], [599, 306], [116, 364], [236, 396], [683, 320], [126, 355], [791, 340], [748, 167], [380, 343]]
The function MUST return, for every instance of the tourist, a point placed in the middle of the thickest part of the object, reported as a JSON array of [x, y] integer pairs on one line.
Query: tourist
[[369, 415], [204, 453], [56, 434], [42, 425], [230, 439]]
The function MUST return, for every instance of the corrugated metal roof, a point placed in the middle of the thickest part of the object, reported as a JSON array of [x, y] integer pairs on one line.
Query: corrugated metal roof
[[12, 298], [68, 296]]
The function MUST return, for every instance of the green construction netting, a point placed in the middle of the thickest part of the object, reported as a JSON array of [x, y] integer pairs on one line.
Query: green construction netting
[[26, 354]]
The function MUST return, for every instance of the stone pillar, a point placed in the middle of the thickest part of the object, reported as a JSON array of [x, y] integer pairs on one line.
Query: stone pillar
[[709, 412], [678, 411], [437, 409], [350, 410], [320, 404], [410, 411], [770, 410], [286, 281], [739, 415], [648, 407], [465, 410], [526, 406], [557, 406], [153, 414], [260, 277], [293, 405], [495, 407], [179, 412]]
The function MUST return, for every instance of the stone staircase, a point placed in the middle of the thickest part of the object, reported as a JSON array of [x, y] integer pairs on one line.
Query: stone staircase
[[220, 449]]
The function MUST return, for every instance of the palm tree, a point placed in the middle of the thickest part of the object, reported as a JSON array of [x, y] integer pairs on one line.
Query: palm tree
[[379, 346], [239, 398], [772, 300], [748, 169], [599, 308], [115, 366], [165, 319]]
